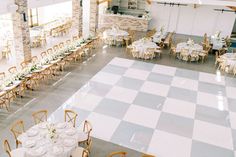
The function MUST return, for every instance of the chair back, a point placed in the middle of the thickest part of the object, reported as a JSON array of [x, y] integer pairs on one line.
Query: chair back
[[12, 70], [34, 59], [61, 45], [117, 154], [24, 64], [6, 147], [17, 129], [40, 116], [2, 75], [43, 54], [49, 51], [70, 117]]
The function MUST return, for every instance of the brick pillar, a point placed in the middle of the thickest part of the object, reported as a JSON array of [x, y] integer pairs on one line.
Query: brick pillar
[[21, 32], [93, 17], [77, 13]]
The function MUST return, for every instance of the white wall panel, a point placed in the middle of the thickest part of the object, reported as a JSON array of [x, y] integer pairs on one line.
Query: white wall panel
[[192, 21]]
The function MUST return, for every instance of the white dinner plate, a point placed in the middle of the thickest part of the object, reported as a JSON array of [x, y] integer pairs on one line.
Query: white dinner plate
[[29, 143]]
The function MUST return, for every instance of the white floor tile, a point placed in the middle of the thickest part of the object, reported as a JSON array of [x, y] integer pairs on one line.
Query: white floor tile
[[212, 78], [106, 78], [213, 134], [85, 101], [122, 94], [215, 101], [185, 83], [161, 69], [142, 116], [103, 126], [155, 88], [122, 62], [137, 74], [178, 107], [164, 144]]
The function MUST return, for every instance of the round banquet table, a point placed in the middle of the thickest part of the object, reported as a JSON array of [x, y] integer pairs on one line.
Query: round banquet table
[[142, 46], [36, 141], [115, 33], [196, 47], [230, 60]]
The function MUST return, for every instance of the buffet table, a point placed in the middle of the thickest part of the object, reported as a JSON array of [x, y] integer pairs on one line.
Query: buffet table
[[125, 22]]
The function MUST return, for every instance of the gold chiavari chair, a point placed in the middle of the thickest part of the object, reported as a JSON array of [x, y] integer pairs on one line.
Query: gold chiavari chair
[[12, 70], [19, 152], [40, 116], [17, 129], [117, 154], [70, 117]]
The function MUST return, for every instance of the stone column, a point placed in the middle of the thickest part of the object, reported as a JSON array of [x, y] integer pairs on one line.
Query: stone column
[[93, 17], [77, 16], [21, 32]]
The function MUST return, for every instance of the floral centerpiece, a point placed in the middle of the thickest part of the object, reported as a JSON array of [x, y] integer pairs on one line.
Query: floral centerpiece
[[217, 34], [190, 42], [52, 132]]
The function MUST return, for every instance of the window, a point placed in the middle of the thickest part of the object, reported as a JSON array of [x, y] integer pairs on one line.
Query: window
[[33, 17]]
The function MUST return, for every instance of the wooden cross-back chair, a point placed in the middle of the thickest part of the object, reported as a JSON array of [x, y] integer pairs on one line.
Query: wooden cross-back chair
[[49, 51], [43, 54], [12, 70], [40, 116], [117, 154], [7, 147], [2, 75], [17, 129], [34, 59], [70, 117], [61, 45], [24, 64]]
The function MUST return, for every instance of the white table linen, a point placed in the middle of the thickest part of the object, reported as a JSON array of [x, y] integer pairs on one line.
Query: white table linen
[[36, 141], [230, 60], [195, 47], [142, 46], [158, 36]]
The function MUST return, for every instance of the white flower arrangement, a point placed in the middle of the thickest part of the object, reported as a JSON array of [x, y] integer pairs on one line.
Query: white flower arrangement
[[217, 34], [190, 42], [52, 132]]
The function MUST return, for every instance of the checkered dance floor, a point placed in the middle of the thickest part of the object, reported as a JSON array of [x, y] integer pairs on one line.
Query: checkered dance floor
[[161, 110]]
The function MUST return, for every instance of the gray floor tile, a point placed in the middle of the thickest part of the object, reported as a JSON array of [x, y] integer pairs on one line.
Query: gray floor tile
[[99, 89], [234, 138], [200, 149], [142, 66], [114, 69], [159, 78], [149, 100], [232, 104], [132, 135], [182, 94], [130, 83], [187, 74], [212, 115], [229, 81], [112, 108], [211, 88], [175, 124]]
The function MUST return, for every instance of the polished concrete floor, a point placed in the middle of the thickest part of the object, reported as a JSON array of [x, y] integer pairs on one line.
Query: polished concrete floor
[[55, 93]]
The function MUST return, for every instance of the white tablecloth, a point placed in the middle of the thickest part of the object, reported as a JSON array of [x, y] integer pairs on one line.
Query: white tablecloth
[[142, 46], [115, 33], [230, 60], [196, 47], [158, 36], [36, 141], [217, 43]]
